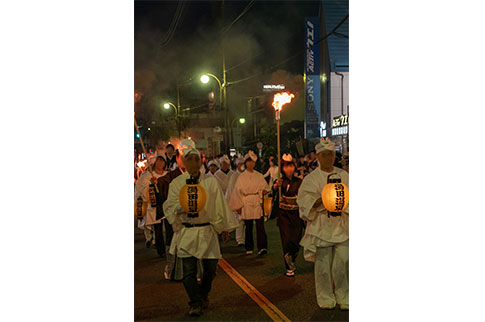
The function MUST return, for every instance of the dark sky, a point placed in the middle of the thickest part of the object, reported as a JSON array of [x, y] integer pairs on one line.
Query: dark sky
[[266, 35]]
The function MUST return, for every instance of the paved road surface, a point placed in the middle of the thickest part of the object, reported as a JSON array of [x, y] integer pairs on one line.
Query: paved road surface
[[159, 300]]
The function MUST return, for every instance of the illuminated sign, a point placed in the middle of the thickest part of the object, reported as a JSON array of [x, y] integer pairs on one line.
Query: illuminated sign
[[312, 78], [340, 125], [340, 120], [273, 88], [323, 129]]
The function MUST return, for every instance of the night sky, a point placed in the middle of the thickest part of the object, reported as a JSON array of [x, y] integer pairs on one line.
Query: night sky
[[266, 35]]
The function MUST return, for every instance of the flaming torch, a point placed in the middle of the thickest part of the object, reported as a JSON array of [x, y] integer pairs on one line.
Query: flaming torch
[[137, 98], [279, 100]]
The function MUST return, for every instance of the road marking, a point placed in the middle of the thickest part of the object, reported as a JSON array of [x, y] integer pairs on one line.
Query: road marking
[[268, 307]]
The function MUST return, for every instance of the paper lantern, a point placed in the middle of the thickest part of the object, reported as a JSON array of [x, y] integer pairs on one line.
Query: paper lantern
[[267, 205], [192, 198], [140, 208], [151, 195], [335, 196]]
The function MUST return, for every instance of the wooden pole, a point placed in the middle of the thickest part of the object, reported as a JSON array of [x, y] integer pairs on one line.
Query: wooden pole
[[145, 151], [279, 154]]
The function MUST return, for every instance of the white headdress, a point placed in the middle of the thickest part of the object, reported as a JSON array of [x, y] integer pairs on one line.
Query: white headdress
[[239, 161], [154, 158], [214, 162], [287, 157], [224, 158], [187, 147], [251, 155], [325, 144]]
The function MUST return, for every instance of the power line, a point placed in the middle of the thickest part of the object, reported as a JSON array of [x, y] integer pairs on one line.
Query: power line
[[174, 25], [294, 55], [245, 10]]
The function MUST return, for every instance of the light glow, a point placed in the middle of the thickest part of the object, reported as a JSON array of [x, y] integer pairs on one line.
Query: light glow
[[204, 79]]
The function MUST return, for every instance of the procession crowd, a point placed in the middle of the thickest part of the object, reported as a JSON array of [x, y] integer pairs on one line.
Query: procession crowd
[[236, 189]]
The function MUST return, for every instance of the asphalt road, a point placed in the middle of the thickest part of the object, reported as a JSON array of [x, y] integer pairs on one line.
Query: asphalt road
[[159, 300]]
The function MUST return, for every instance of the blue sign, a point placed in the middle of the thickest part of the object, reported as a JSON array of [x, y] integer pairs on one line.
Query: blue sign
[[312, 77]]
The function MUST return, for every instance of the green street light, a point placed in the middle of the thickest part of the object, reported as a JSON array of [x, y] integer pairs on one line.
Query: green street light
[[242, 120]]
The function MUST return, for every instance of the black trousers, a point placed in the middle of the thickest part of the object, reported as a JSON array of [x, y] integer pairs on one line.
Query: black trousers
[[291, 229], [159, 240], [198, 292], [261, 237]]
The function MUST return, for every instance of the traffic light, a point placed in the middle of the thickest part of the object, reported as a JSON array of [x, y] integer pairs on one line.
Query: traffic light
[[137, 135]]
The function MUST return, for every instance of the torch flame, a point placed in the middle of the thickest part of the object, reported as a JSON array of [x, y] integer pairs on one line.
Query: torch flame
[[281, 99], [142, 164]]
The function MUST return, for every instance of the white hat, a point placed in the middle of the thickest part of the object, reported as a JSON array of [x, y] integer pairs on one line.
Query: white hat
[[224, 158], [214, 162], [187, 147], [154, 158], [287, 157], [239, 160], [325, 144], [251, 155]]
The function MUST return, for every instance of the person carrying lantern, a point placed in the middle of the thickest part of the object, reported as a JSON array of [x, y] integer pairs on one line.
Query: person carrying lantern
[[223, 175], [246, 200], [229, 190], [326, 239], [289, 221], [153, 226], [196, 235]]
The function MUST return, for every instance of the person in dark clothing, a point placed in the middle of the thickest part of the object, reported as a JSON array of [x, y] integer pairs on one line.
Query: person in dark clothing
[[289, 221], [171, 157]]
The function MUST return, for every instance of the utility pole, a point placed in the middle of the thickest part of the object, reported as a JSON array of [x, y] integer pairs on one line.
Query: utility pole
[[177, 118], [224, 86]]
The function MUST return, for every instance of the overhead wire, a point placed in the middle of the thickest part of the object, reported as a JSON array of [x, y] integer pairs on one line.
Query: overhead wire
[[245, 10]]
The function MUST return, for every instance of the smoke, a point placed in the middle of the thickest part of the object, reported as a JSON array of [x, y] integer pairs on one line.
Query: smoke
[[265, 36]]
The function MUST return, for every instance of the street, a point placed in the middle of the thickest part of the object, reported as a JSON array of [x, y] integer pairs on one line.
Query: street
[[157, 299]]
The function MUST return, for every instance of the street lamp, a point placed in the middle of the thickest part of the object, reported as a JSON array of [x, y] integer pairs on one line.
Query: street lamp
[[167, 106]]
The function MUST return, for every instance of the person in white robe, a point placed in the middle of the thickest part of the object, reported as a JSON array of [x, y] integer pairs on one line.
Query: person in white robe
[[326, 239], [196, 237], [213, 167], [153, 229], [223, 175], [230, 188], [247, 199]]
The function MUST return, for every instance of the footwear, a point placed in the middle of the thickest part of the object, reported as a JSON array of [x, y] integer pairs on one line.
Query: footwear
[[263, 252], [148, 243], [327, 307], [165, 274], [205, 303], [195, 311], [249, 252], [344, 307], [290, 273], [290, 262]]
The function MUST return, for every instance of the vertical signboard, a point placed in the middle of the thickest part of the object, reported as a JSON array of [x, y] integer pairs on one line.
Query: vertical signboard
[[312, 77]]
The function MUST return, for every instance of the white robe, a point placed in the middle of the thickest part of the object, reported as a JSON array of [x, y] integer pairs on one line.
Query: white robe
[[247, 194], [321, 230], [230, 188], [141, 190], [223, 179], [200, 242]]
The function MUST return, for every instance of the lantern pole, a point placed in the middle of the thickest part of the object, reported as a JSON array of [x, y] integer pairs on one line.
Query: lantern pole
[[145, 151], [278, 148]]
